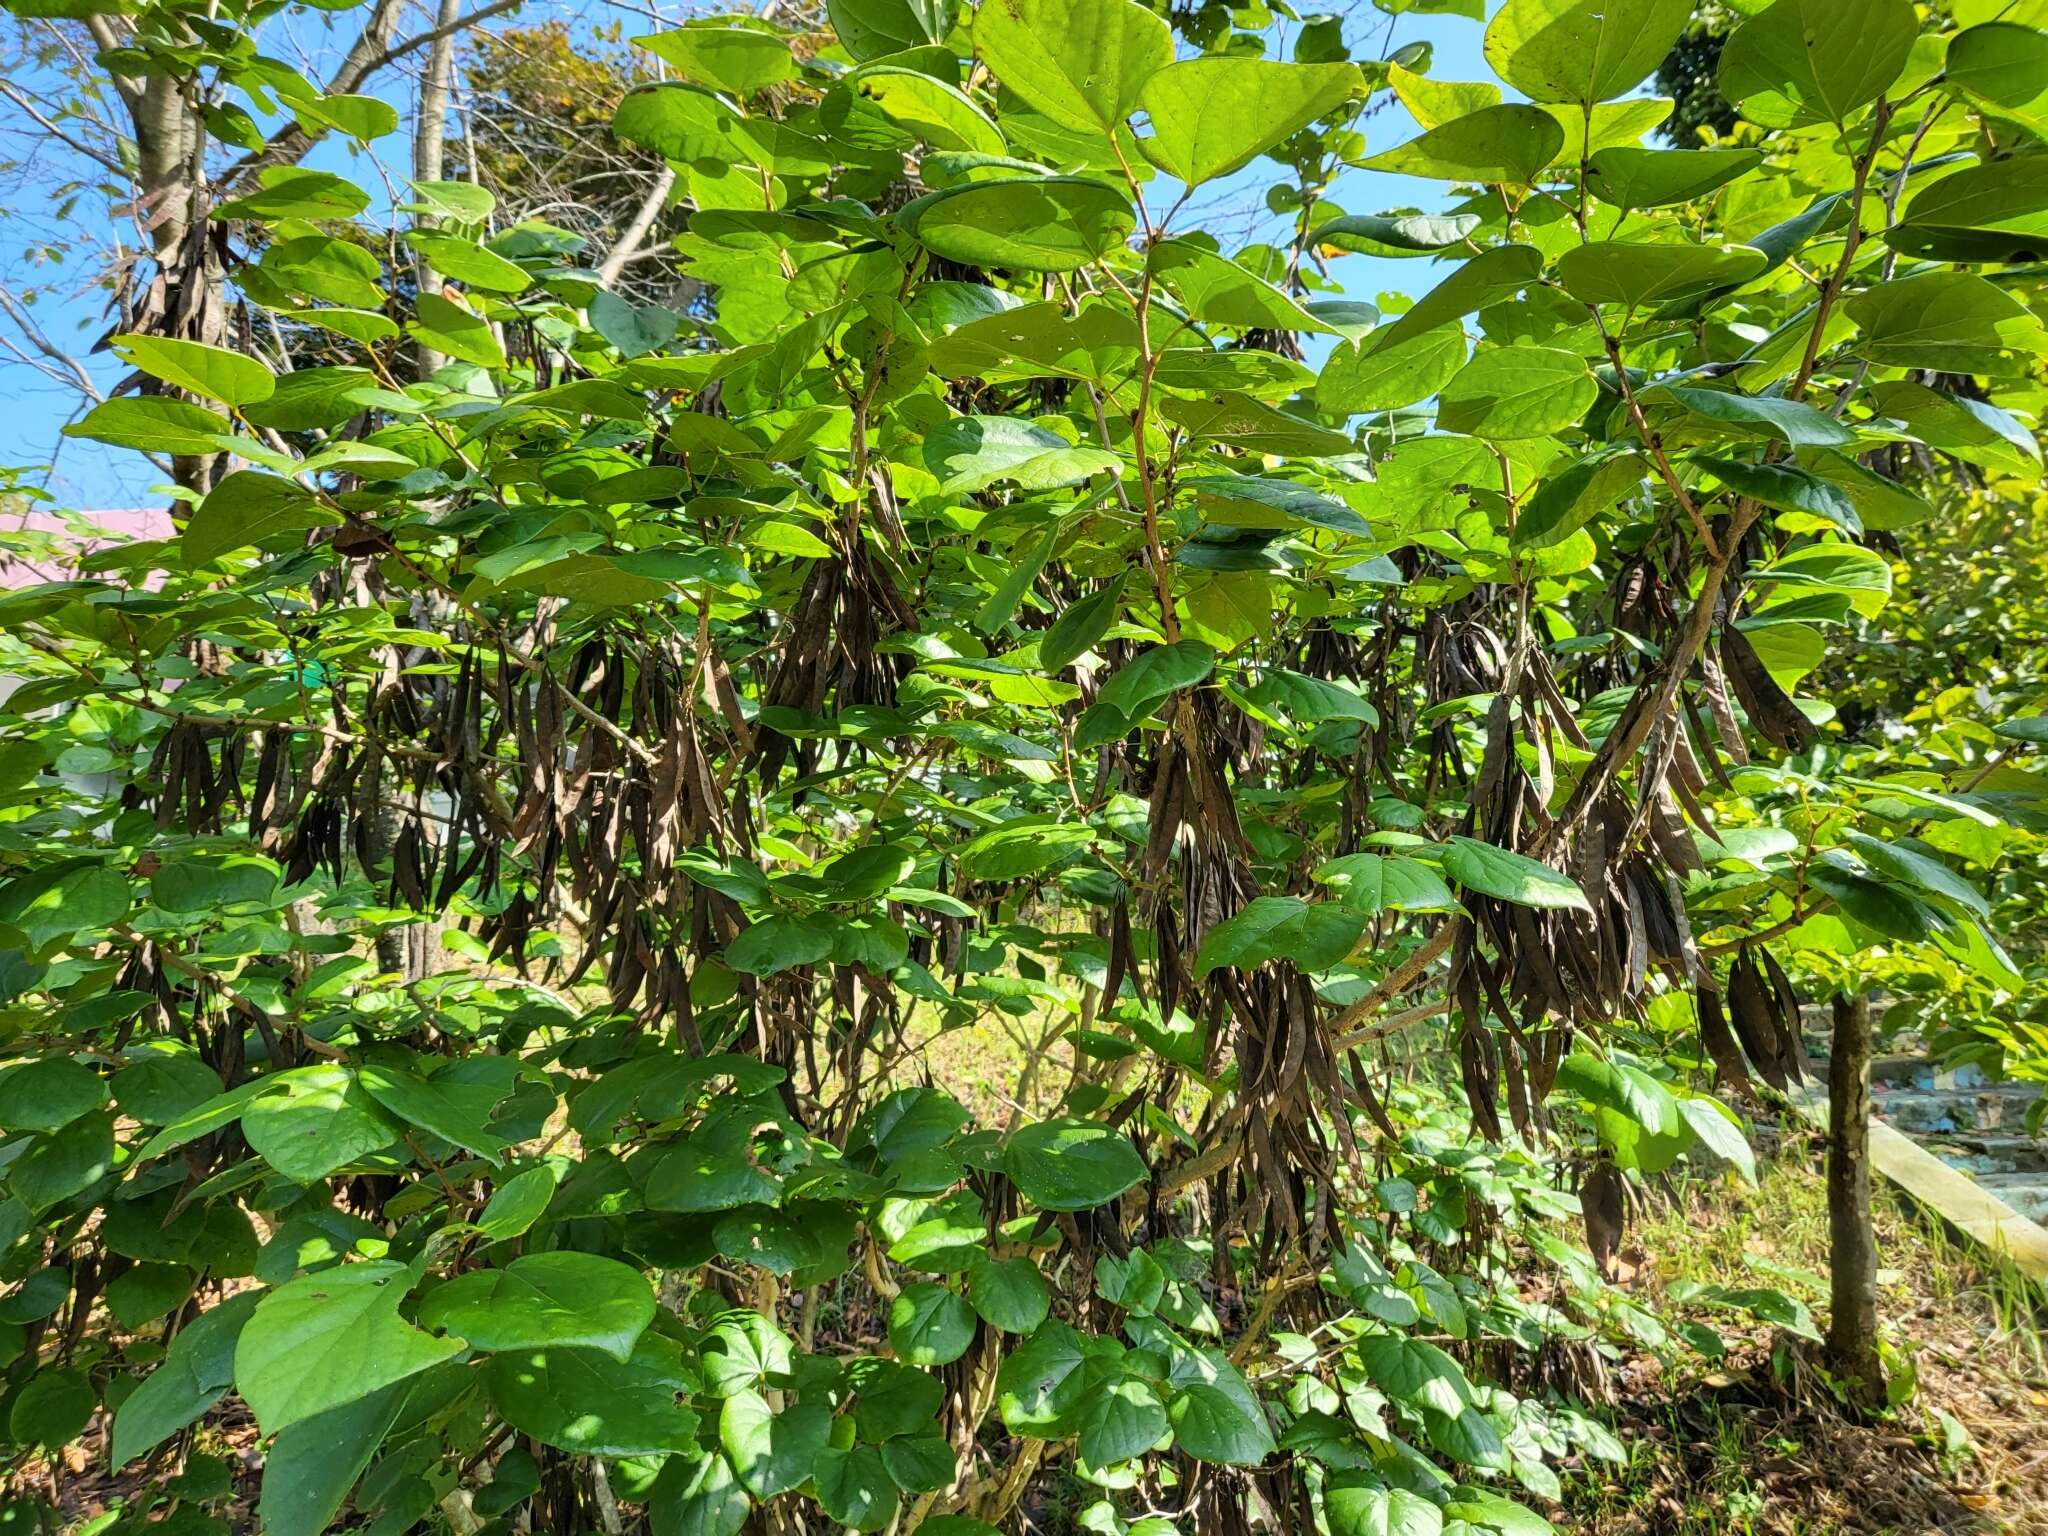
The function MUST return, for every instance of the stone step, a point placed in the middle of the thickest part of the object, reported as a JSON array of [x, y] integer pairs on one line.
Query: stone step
[[1945, 1122], [1912, 1072], [2026, 1193], [1981, 1154], [1947, 1111], [1973, 1207], [1919, 1072], [2016, 1151], [1906, 1069]]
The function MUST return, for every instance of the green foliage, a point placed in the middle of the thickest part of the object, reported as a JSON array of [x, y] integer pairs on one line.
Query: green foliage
[[1690, 76], [475, 898]]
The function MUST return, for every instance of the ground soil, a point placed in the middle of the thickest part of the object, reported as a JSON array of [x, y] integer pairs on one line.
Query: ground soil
[[1760, 1446]]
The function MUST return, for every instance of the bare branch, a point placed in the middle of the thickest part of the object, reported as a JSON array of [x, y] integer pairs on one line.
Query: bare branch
[[635, 232], [65, 363], [391, 55], [429, 148], [371, 52], [1399, 979], [22, 100]]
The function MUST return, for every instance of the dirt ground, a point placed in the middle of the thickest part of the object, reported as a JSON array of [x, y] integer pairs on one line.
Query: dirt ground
[[1758, 1445]]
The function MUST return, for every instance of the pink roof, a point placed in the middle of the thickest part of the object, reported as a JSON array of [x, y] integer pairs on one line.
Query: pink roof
[[120, 525]]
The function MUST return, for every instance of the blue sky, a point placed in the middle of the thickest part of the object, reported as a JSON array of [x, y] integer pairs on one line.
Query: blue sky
[[89, 475]]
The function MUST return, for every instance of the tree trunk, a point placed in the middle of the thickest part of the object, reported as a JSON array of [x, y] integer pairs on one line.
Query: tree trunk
[[430, 137], [1852, 1327], [186, 300]]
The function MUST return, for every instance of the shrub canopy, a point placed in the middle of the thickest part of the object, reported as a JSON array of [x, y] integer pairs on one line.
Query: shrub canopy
[[474, 902]]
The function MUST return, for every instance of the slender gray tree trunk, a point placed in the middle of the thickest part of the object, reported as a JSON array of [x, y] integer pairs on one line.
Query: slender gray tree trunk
[[429, 145], [1852, 1325], [187, 301]]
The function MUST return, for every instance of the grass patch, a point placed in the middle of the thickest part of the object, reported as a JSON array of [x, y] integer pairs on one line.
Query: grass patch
[[1001, 1064]]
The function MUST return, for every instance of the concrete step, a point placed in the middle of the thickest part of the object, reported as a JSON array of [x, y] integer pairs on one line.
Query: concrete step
[[1981, 1154], [1919, 1072], [1931, 1125], [1942, 1111], [2026, 1193], [1909, 1070]]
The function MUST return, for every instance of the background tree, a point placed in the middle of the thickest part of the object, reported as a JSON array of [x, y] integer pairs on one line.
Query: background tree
[[1690, 76], [538, 109], [117, 94]]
